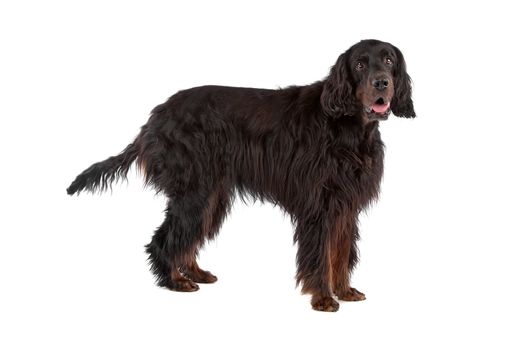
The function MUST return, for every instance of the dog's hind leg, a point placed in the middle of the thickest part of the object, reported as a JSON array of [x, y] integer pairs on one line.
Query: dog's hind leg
[[190, 220], [175, 242], [162, 262], [218, 206]]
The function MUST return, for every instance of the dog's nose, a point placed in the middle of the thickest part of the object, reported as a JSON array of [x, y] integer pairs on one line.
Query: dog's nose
[[380, 84]]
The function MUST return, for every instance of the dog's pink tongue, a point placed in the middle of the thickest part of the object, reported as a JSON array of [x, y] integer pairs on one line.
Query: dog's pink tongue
[[380, 108]]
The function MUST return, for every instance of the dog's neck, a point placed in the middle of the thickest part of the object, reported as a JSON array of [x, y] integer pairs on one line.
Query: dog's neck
[[355, 131]]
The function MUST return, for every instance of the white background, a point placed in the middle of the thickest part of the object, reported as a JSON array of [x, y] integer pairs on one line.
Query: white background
[[441, 252]]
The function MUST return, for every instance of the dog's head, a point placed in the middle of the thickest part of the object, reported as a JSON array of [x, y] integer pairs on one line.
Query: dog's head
[[370, 80]]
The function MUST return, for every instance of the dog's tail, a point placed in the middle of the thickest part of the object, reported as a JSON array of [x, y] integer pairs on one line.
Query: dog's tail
[[100, 175]]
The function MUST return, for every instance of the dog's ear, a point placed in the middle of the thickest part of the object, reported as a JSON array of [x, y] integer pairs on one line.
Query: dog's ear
[[402, 105], [337, 90]]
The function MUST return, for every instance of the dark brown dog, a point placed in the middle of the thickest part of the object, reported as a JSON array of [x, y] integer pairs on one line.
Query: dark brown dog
[[314, 150]]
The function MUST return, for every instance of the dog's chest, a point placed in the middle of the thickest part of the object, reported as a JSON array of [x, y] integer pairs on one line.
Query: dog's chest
[[357, 169]]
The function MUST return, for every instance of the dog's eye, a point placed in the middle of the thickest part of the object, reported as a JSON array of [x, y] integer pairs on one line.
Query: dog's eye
[[359, 66], [388, 61]]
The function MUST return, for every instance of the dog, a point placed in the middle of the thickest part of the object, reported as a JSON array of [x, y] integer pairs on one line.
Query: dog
[[313, 150]]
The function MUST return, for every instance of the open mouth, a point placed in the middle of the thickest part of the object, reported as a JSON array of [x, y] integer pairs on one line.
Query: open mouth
[[379, 110]]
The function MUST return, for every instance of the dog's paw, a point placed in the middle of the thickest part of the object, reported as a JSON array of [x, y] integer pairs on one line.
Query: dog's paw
[[184, 285], [201, 276], [351, 294], [324, 304]]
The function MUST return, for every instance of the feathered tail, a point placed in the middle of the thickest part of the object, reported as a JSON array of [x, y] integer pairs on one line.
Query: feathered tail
[[100, 175]]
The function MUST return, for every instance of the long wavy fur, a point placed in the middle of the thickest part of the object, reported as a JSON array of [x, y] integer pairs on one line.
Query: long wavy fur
[[100, 176], [306, 149]]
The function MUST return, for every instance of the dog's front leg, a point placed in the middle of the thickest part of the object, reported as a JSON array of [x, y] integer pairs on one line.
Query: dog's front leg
[[314, 269], [344, 255]]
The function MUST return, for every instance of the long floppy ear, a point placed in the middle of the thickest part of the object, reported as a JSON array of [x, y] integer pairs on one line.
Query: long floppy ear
[[337, 90], [402, 105]]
